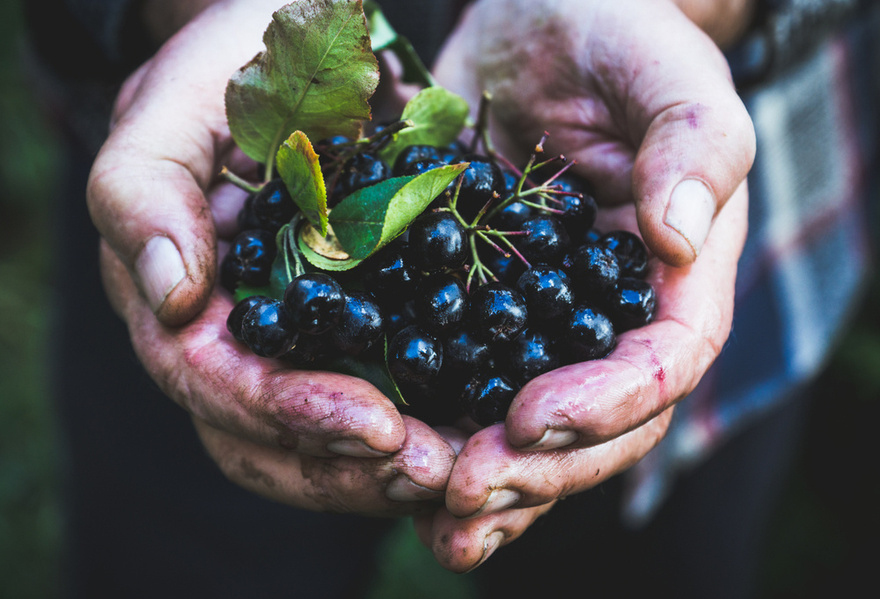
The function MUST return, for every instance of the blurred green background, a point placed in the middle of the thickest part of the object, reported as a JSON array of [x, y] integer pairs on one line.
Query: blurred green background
[[822, 536]]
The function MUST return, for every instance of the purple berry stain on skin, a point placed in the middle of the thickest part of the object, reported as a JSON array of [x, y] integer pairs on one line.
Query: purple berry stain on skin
[[657, 370], [693, 118], [659, 373]]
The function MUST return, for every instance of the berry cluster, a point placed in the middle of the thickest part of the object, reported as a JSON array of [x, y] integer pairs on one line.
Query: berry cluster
[[501, 279]]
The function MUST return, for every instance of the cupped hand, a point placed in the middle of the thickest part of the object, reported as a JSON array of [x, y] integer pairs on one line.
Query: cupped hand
[[642, 100], [316, 440]]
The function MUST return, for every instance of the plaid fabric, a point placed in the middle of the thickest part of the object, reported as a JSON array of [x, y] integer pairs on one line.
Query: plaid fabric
[[806, 258]]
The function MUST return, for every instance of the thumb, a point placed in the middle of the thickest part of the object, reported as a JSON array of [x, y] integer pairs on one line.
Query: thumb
[[698, 146], [146, 190], [693, 158], [151, 210]]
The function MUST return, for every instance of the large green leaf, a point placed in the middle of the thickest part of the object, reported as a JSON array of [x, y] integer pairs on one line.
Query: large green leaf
[[371, 217], [301, 172], [316, 75], [437, 116]]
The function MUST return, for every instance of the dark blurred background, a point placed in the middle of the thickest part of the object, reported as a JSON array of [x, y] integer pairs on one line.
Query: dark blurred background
[[823, 535]]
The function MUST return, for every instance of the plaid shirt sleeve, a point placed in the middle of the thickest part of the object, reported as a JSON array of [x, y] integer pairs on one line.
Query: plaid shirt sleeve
[[806, 258]]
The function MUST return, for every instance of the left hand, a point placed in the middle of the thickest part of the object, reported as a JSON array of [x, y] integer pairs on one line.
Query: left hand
[[642, 100]]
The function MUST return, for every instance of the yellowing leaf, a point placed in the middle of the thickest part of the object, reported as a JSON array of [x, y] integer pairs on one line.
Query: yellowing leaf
[[300, 170]]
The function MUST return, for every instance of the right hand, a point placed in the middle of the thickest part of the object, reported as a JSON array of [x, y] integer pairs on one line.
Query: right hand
[[642, 100], [316, 440]]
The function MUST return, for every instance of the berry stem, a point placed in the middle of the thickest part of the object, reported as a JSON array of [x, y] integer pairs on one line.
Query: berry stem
[[478, 268], [482, 235], [286, 242], [238, 181], [384, 136], [481, 127], [515, 251]]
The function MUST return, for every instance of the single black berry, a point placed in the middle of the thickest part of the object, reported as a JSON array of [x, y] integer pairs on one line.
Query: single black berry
[[481, 182], [269, 208], [631, 252], [487, 398], [631, 304], [360, 325], [594, 269], [414, 356], [579, 209], [545, 240], [437, 241], [589, 334], [548, 292], [362, 170], [463, 352], [315, 302], [441, 302], [388, 276], [236, 315], [512, 217], [498, 313], [249, 259], [532, 353], [267, 329]]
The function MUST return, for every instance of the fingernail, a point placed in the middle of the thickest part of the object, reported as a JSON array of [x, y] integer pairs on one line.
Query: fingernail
[[355, 448], [402, 488], [160, 268], [499, 499], [554, 439], [690, 212], [490, 544]]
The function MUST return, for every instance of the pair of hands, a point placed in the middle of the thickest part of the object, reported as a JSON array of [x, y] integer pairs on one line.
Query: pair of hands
[[632, 90]]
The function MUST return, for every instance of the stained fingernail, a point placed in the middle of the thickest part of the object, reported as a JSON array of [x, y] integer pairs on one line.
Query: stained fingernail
[[160, 268], [499, 499], [355, 448], [554, 439], [402, 488], [490, 544], [690, 212]]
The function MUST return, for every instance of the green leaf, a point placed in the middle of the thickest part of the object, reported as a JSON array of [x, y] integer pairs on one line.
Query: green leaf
[[437, 116], [316, 75], [299, 168], [371, 217]]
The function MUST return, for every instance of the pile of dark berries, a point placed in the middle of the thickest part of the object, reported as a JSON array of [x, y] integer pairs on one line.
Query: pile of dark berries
[[490, 287]]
